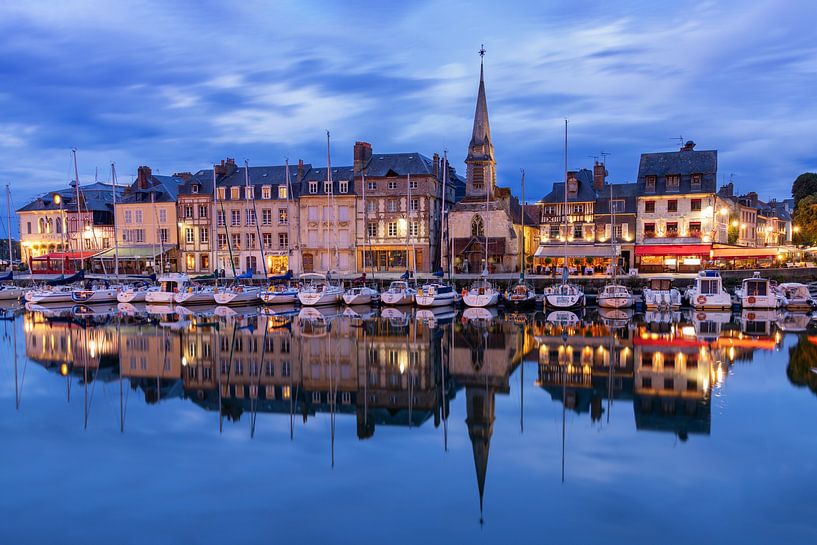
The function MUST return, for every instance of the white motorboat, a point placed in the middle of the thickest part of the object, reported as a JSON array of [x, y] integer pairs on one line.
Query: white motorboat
[[169, 285], [399, 293], [279, 294], [564, 296], [615, 296], [237, 294], [659, 294], [194, 295], [50, 295], [317, 290], [134, 293], [757, 292], [707, 292], [521, 295], [796, 296], [481, 294], [361, 295], [436, 294], [10, 293], [93, 295]]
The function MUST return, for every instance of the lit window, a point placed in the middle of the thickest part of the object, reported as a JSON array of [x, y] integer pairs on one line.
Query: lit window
[[235, 193], [266, 192], [282, 192], [282, 216]]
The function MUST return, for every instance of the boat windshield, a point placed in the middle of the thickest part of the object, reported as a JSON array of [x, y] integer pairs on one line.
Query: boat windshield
[[709, 286], [756, 287]]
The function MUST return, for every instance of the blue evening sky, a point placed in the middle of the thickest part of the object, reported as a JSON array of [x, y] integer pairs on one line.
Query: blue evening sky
[[179, 85]]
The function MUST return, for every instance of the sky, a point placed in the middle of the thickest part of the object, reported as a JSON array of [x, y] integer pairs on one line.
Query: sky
[[181, 85]]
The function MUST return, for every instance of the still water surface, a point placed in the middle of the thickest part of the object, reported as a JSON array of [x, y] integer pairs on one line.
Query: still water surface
[[407, 427]]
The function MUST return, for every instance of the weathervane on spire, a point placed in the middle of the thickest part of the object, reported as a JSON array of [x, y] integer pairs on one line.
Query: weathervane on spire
[[481, 51]]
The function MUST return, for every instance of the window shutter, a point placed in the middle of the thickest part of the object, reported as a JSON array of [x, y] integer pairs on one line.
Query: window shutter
[[606, 230], [624, 230]]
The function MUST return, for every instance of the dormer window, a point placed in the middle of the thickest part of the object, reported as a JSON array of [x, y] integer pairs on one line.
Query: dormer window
[[650, 184], [195, 188], [327, 187], [249, 192], [673, 182], [266, 192], [222, 193], [313, 187], [235, 193], [343, 186], [696, 181], [282, 192]]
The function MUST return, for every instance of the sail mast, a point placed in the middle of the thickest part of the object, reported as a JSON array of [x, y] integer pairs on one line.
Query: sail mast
[[79, 211], [613, 235], [443, 219], [289, 216], [215, 227], [365, 223], [8, 205], [522, 259], [565, 268], [115, 230], [255, 217]]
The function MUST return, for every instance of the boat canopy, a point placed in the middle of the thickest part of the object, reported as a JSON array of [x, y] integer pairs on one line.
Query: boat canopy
[[63, 280]]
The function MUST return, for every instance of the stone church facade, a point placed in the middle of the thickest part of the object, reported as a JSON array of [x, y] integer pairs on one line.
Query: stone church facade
[[489, 217]]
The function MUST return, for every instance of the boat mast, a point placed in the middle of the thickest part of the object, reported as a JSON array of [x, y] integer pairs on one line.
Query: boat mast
[[115, 229], [443, 219], [565, 268], [79, 211], [522, 259], [8, 205], [215, 226], [408, 230], [365, 223], [255, 217], [289, 218], [330, 198], [613, 235]]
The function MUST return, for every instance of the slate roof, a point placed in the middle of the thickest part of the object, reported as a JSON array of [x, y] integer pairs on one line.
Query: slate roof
[[163, 188], [628, 192], [400, 164], [683, 164], [586, 192], [260, 176], [96, 197], [346, 173]]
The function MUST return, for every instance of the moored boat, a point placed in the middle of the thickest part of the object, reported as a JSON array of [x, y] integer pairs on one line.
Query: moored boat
[[757, 292], [796, 296], [564, 296], [399, 293], [361, 295], [659, 294], [521, 295], [615, 296], [707, 292], [436, 294], [50, 295], [237, 294], [194, 295], [169, 285], [318, 290]]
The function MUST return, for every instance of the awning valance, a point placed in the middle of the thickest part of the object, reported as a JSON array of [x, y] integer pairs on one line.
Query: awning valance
[[573, 250], [130, 252], [674, 249], [767, 252], [64, 255]]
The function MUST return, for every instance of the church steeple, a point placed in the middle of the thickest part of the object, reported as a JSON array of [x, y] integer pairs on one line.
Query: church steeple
[[480, 164]]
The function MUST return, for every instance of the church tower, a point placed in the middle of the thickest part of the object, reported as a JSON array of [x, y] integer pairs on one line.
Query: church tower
[[480, 171]]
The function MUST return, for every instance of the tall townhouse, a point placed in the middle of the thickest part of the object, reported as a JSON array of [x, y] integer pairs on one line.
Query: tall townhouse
[[146, 225], [327, 206], [195, 223], [679, 211], [399, 225], [60, 231]]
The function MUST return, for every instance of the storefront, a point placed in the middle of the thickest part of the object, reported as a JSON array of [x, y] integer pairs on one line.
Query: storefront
[[145, 259], [60, 262], [672, 257], [737, 257], [584, 258], [391, 259]]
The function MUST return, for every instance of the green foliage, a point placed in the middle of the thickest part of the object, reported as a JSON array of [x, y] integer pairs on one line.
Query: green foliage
[[805, 218], [803, 186], [589, 260], [802, 357], [732, 234], [548, 261]]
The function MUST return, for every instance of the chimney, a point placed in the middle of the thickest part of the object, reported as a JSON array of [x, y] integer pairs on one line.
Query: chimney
[[300, 170], [599, 176], [143, 177], [436, 166], [689, 146], [226, 167], [363, 153], [183, 175]]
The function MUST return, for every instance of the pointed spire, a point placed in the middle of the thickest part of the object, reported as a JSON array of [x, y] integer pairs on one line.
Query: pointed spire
[[480, 171], [481, 135]]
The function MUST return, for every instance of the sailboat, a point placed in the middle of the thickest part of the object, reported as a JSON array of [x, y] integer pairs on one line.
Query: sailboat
[[482, 293], [9, 292], [359, 293], [565, 295], [614, 295], [437, 293], [522, 294]]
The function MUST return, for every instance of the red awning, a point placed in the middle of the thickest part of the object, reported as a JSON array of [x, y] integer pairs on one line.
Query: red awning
[[64, 255], [673, 249], [740, 252]]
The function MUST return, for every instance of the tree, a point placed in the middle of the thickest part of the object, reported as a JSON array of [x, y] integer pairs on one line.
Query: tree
[[802, 357], [805, 218], [803, 186], [733, 231]]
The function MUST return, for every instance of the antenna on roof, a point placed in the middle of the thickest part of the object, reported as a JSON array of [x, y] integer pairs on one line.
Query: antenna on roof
[[680, 140], [594, 157], [604, 155]]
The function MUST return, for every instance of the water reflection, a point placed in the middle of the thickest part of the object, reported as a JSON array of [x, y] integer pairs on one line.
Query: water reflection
[[404, 368]]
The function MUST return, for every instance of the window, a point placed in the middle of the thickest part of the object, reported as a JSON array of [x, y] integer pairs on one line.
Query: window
[[162, 215], [266, 192], [577, 230], [372, 186], [327, 187], [415, 204], [203, 211], [312, 213], [204, 235], [672, 229], [163, 236], [235, 193], [343, 213], [673, 183], [392, 228], [137, 217], [222, 193], [194, 188], [695, 205], [188, 211], [578, 209], [412, 184], [669, 384], [235, 218], [220, 218], [282, 192], [371, 229], [696, 181], [128, 217], [618, 231], [649, 207], [414, 229], [236, 241], [650, 184], [205, 262], [371, 206], [313, 187], [695, 228], [250, 217], [649, 229], [392, 184], [138, 236], [283, 218], [554, 231], [189, 236], [549, 210], [266, 238], [190, 261], [222, 241], [477, 226], [343, 186], [672, 205], [250, 241], [28, 227], [392, 206], [266, 216], [646, 382], [283, 241], [617, 205]]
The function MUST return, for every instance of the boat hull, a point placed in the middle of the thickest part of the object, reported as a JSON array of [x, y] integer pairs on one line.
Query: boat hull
[[564, 301], [195, 298], [89, 297], [662, 299], [280, 298], [49, 298], [160, 297], [13, 294], [481, 300], [357, 299], [318, 299], [248, 296], [623, 301], [131, 296], [397, 299], [437, 300], [720, 301]]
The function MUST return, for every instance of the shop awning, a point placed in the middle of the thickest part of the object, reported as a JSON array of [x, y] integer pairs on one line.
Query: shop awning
[[54, 256], [673, 249], [768, 252], [573, 250], [130, 252]]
